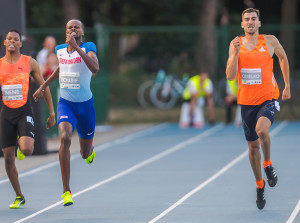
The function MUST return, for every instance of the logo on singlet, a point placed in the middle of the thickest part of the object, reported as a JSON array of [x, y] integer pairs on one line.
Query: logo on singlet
[[262, 49]]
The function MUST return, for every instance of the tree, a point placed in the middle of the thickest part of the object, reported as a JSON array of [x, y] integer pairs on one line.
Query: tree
[[70, 9], [206, 44], [287, 36]]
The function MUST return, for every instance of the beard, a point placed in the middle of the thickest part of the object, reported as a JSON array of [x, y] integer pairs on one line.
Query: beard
[[252, 32]]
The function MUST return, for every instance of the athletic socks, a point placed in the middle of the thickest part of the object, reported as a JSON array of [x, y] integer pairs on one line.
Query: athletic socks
[[266, 164], [260, 184]]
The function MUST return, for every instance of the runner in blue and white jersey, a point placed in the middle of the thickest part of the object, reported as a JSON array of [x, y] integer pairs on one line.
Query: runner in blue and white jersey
[[75, 109]]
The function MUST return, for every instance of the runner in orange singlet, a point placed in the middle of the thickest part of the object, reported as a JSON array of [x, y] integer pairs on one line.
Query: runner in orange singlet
[[250, 60], [16, 120]]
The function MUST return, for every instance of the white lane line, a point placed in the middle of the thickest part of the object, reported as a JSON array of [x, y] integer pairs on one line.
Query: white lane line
[[212, 178], [294, 213], [97, 149], [133, 168]]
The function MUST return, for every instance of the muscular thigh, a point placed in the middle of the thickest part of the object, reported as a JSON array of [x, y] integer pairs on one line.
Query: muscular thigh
[[269, 110], [86, 119], [8, 132], [66, 113], [249, 114], [26, 126]]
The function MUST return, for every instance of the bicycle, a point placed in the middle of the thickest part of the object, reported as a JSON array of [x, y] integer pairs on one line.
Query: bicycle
[[143, 93], [165, 94]]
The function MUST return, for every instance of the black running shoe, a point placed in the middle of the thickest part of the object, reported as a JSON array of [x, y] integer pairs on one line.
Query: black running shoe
[[271, 175], [260, 197]]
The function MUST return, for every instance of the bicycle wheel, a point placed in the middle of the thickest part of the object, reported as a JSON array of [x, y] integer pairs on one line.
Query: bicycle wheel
[[163, 101], [143, 94]]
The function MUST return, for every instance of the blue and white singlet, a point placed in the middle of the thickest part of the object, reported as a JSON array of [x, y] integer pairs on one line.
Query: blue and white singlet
[[74, 75]]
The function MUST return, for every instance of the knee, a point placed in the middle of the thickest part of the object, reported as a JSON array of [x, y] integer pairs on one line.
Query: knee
[[262, 133], [65, 138], [254, 150], [9, 161], [27, 151]]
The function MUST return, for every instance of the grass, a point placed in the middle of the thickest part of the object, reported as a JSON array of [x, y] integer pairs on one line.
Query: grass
[[135, 114]]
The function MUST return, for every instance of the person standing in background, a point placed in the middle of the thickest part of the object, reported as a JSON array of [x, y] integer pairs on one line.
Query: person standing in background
[[231, 100], [198, 92], [43, 55]]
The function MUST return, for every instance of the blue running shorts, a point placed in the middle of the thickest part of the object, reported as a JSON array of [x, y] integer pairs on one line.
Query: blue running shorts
[[251, 113], [81, 115]]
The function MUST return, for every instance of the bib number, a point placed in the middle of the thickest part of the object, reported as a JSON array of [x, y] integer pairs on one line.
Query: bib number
[[251, 76], [69, 80], [12, 92]]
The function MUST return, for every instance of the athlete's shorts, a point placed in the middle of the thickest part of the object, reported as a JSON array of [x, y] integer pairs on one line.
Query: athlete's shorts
[[251, 113], [14, 125], [81, 115]]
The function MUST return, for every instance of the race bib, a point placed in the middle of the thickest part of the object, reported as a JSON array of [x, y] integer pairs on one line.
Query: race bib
[[12, 92], [251, 76], [69, 80]]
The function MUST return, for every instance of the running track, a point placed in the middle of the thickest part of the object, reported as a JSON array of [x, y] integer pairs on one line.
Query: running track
[[166, 175]]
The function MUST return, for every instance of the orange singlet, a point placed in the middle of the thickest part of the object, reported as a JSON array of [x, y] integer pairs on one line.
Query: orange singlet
[[257, 83], [14, 80]]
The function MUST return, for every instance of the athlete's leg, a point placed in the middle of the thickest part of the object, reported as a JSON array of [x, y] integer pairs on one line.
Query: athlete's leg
[[86, 122], [262, 129], [65, 129], [26, 145], [86, 147], [255, 159], [11, 170]]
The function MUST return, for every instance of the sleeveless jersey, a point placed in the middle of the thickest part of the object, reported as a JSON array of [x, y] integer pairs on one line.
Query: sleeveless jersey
[[256, 81], [14, 80], [74, 75]]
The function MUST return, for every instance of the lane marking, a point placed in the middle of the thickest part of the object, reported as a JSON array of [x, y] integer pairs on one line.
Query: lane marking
[[135, 167], [294, 213], [212, 178], [98, 148]]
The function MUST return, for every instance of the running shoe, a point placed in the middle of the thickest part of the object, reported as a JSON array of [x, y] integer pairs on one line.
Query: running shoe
[[20, 155], [260, 197], [271, 175], [67, 197], [91, 157], [17, 203]]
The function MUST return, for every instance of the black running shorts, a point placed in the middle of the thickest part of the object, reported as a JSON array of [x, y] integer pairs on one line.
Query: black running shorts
[[251, 113], [14, 124]]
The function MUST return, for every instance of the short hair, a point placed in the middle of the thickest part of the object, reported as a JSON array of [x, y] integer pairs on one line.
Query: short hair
[[249, 10], [81, 23], [15, 31]]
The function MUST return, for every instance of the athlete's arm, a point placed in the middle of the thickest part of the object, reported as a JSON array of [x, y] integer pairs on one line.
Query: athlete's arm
[[35, 73], [90, 58], [232, 62], [39, 92], [284, 64]]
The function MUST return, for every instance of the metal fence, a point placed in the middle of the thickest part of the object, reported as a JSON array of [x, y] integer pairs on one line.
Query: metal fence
[[130, 55]]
